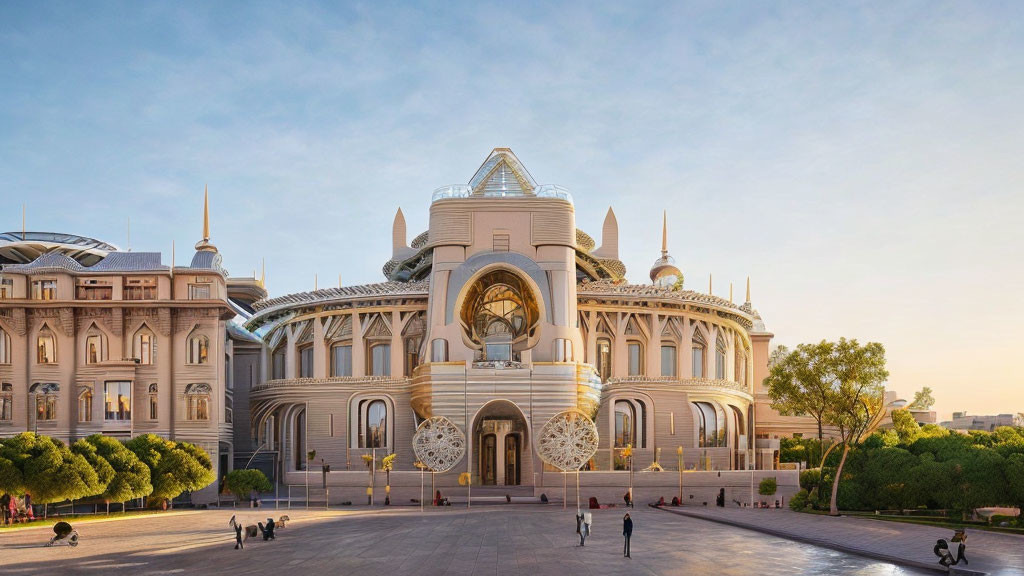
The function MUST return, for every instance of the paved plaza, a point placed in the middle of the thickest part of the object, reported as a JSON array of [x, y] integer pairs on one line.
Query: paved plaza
[[531, 540]]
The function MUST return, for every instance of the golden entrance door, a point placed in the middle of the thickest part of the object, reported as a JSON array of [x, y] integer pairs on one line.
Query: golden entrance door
[[512, 460], [489, 461]]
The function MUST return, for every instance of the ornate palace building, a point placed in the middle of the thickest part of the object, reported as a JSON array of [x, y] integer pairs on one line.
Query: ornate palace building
[[500, 315]]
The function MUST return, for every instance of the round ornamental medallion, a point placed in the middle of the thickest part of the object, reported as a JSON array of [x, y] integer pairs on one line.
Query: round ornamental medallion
[[439, 444], [568, 440]]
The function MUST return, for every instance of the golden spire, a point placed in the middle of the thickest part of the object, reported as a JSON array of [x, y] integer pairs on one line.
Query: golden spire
[[709, 283], [748, 288], [664, 233], [263, 275], [730, 292], [206, 214]]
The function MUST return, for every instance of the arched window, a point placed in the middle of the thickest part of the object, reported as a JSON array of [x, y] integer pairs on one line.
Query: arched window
[[85, 404], [380, 359], [46, 348], [197, 400], [376, 432], [46, 400], [720, 358], [668, 360], [741, 366], [635, 352], [144, 346], [499, 313], [697, 354], [154, 413], [707, 424], [341, 359], [198, 349], [299, 435], [5, 347], [604, 358], [95, 351], [625, 424]]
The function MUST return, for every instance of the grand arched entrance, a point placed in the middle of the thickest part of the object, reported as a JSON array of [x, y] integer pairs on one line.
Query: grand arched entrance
[[501, 453]]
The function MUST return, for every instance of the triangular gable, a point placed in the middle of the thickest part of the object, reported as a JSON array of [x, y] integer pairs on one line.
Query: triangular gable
[[502, 174]]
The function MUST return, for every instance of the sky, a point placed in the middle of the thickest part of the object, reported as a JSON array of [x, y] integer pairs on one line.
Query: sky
[[860, 161]]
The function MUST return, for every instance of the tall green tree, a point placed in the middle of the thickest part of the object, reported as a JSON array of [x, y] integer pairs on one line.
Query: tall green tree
[[855, 376], [175, 467], [131, 477], [905, 426], [1014, 474], [50, 471], [923, 400], [797, 384]]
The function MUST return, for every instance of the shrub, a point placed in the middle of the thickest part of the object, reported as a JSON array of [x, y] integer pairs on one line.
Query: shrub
[[131, 477], [809, 479], [241, 482], [800, 501], [175, 467], [768, 486]]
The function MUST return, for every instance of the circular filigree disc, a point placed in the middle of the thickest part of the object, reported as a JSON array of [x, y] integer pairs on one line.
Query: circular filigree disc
[[568, 440], [439, 444]]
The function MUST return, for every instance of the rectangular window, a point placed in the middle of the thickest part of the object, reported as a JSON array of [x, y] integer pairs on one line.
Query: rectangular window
[[85, 406], [6, 402], [6, 288], [153, 413], [278, 365], [604, 359], [341, 360], [380, 360], [438, 350], [94, 290], [93, 349], [634, 358], [44, 289], [145, 352], [5, 347], [698, 362], [46, 407], [668, 361], [45, 351], [499, 352], [139, 289], [198, 407], [117, 401], [501, 242], [306, 362], [198, 291]]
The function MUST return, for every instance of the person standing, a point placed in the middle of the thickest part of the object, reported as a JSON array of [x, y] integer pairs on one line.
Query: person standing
[[627, 532], [585, 528]]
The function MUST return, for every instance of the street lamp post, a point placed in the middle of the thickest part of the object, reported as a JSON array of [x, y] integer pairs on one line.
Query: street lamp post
[[679, 451]]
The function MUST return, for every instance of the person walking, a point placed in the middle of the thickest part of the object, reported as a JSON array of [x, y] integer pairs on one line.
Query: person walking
[[237, 527], [627, 532], [588, 519]]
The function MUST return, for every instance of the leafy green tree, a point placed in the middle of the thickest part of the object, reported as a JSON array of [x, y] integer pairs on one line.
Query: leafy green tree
[[104, 471], [767, 486], [1014, 474], [50, 471], [796, 383], [242, 482], [131, 478], [923, 400], [905, 426], [11, 481], [855, 377], [175, 467]]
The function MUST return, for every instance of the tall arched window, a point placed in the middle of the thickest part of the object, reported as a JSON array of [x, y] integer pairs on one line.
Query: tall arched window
[[6, 402], [707, 425], [95, 352], [46, 348], [625, 424], [299, 434], [604, 358], [306, 361], [154, 413], [720, 358], [144, 346], [499, 314], [277, 361], [198, 349], [697, 354], [197, 400], [5, 347], [376, 432], [635, 353], [85, 404]]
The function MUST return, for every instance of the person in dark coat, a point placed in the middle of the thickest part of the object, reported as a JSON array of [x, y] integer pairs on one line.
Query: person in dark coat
[[627, 532], [238, 537]]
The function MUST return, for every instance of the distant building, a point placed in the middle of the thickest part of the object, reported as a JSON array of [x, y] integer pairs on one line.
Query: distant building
[[963, 421]]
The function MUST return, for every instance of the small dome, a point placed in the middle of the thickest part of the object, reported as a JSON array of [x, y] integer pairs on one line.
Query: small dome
[[664, 273]]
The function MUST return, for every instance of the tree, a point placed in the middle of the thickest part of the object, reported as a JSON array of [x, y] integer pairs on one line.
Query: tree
[[1014, 474], [11, 481], [923, 400], [241, 482], [49, 470], [905, 426], [796, 383], [131, 477], [855, 377], [175, 467], [104, 471]]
